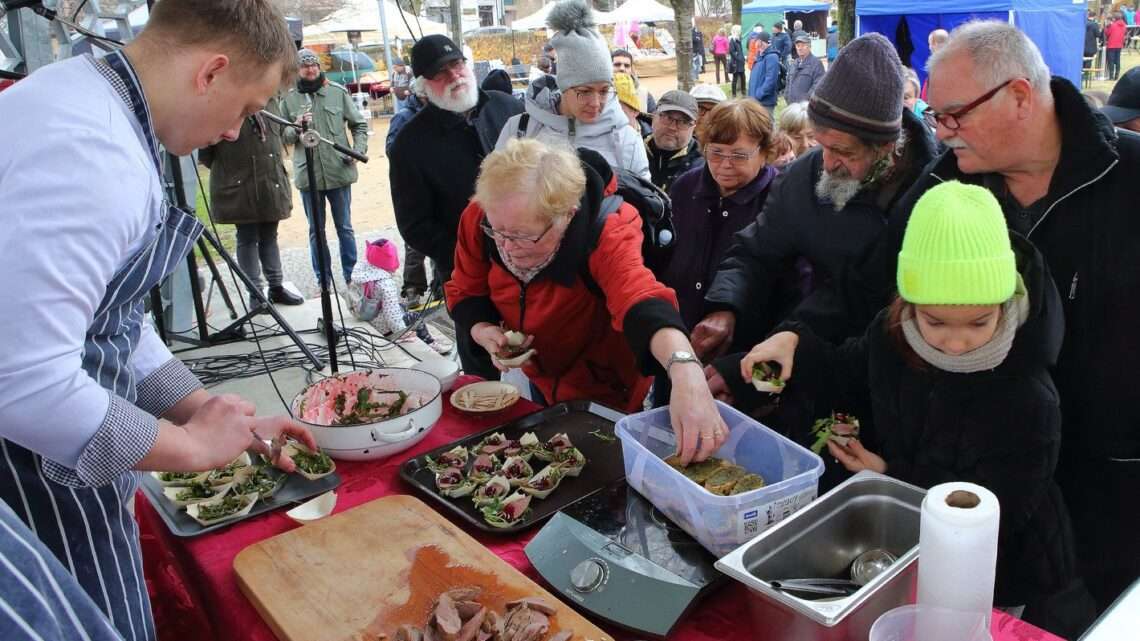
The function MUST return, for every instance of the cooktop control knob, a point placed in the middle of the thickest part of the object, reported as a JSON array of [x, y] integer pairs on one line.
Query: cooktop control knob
[[589, 575]]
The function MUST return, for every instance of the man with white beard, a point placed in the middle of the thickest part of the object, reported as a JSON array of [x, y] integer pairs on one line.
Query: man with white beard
[[826, 211], [435, 159]]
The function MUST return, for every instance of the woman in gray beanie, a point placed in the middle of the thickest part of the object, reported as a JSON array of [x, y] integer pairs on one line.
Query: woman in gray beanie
[[581, 110]]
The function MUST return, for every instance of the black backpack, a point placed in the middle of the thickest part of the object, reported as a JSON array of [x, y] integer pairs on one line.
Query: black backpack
[[782, 77], [651, 203]]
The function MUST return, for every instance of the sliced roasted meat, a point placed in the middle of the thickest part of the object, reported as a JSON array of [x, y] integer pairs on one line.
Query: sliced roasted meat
[[472, 626], [534, 603], [447, 617], [467, 609]]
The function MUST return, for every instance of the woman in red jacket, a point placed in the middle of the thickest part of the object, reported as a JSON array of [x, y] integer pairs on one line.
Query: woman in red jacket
[[1113, 43], [597, 318]]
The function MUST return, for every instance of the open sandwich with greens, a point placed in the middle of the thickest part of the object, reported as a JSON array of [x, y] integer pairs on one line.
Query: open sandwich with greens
[[501, 475]]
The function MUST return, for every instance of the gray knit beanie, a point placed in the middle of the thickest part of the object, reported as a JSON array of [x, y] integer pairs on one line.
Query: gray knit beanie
[[582, 53], [861, 93]]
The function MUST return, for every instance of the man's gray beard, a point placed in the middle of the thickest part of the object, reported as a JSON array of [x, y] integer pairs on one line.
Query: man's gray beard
[[465, 102], [839, 190]]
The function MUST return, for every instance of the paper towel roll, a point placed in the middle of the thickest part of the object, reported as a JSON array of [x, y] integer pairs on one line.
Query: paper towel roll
[[957, 560]]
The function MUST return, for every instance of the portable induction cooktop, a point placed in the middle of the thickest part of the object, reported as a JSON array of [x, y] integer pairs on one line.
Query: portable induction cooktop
[[616, 556]]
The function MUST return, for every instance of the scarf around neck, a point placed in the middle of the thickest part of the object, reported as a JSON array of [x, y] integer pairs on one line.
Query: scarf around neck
[[311, 86], [526, 274], [1014, 313]]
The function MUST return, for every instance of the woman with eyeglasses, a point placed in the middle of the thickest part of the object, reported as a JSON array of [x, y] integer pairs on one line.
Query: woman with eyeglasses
[[581, 109], [720, 197], [538, 254]]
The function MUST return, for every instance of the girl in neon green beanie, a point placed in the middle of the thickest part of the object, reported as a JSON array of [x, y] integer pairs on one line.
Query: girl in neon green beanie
[[952, 383]]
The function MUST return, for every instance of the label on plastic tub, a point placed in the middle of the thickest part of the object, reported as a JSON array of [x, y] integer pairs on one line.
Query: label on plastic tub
[[754, 520]]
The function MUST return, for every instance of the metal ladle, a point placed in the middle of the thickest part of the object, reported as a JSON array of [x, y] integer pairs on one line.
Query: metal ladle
[[870, 564]]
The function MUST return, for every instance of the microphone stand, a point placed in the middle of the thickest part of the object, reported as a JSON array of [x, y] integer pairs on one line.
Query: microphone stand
[[310, 139]]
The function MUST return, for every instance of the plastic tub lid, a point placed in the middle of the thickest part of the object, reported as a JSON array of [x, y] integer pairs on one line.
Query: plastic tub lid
[[929, 623]]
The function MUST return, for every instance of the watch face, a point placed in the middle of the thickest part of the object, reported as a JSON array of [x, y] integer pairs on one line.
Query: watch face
[[677, 356]]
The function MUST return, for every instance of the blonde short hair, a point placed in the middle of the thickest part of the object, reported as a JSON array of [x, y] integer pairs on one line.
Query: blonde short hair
[[794, 119], [552, 176]]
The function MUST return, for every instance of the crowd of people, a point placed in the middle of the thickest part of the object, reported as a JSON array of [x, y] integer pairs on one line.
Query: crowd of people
[[880, 241]]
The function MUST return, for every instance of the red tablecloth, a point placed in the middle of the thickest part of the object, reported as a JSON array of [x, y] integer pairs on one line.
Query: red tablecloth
[[195, 594]]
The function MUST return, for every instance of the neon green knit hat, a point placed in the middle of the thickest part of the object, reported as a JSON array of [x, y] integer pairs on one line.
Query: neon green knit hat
[[956, 249]]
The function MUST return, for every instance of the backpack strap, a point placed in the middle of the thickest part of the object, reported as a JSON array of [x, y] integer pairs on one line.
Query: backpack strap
[[524, 121], [610, 205]]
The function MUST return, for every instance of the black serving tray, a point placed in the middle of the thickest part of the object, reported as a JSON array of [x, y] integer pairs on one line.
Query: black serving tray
[[604, 464], [295, 490]]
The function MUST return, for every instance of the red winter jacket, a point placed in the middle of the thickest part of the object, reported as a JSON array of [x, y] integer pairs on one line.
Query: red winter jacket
[[1114, 35], [586, 347]]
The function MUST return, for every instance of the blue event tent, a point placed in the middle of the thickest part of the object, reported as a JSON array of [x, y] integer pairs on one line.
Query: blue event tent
[[1056, 26]]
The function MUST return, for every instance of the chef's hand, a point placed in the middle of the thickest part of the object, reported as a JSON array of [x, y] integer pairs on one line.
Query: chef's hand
[[697, 424], [855, 457], [779, 347], [304, 118], [348, 160], [713, 335], [717, 387], [225, 426], [280, 428]]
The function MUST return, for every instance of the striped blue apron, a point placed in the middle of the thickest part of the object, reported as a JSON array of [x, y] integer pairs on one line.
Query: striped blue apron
[[89, 528]]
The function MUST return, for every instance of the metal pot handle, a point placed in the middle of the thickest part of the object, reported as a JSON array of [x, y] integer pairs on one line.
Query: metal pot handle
[[400, 436]]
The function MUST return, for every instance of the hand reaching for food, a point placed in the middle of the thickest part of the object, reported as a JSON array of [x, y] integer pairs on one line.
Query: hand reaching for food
[[855, 457], [779, 348], [507, 348], [698, 426], [717, 385], [712, 336]]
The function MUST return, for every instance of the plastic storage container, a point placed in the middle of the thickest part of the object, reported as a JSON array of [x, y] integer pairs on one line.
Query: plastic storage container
[[719, 523]]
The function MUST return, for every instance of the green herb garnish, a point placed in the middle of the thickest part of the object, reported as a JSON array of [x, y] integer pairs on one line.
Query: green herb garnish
[[312, 462], [602, 436], [232, 504], [196, 491]]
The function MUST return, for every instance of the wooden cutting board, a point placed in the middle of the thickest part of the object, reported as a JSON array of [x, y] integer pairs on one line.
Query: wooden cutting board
[[360, 574]]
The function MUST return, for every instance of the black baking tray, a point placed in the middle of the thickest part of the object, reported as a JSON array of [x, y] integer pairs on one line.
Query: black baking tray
[[604, 464], [294, 491]]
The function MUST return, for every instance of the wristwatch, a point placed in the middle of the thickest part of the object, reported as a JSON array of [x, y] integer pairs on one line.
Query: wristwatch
[[681, 357]]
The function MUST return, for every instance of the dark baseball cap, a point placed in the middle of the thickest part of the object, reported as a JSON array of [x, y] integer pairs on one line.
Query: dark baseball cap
[[679, 101], [432, 53], [801, 36], [765, 36], [1124, 103]]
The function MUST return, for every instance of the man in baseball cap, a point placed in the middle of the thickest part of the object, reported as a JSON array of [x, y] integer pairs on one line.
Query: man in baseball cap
[[671, 148], [432, 53], [707, 97], [1123, 107]]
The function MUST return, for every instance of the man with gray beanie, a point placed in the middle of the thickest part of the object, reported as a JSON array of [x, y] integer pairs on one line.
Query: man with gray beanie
[[582, 109], [829, 207]]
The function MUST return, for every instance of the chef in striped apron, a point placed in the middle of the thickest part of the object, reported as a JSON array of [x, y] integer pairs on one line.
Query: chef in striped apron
[[89, 395]]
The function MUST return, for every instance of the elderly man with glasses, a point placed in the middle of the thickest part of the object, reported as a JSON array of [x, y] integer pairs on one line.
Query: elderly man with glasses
[[671, 147], [1066, 179], [580, 109]]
